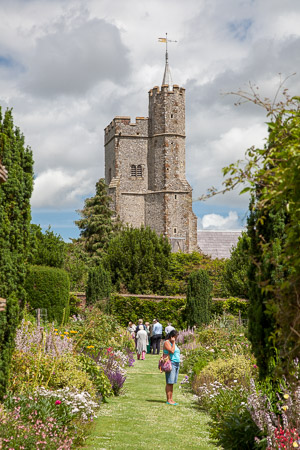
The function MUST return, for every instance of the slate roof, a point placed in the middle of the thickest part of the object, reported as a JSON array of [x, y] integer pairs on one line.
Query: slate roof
[[217, 244]]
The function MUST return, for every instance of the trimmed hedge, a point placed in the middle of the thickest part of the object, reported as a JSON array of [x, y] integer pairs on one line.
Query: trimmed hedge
[[125, 309], [48, 287]]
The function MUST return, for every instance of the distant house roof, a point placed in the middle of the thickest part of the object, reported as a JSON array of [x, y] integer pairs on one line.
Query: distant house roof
[[217, 244]]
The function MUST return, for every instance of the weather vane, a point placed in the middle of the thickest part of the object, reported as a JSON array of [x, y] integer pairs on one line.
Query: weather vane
[[166, 40]]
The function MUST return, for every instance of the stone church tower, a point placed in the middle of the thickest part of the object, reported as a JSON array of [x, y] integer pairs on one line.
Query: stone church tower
[[145, 168]]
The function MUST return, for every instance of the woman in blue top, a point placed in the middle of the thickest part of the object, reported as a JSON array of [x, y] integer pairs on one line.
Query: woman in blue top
[[171, 349]]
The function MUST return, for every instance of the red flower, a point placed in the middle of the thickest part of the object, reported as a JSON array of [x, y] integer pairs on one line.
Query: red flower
[[58, 402]]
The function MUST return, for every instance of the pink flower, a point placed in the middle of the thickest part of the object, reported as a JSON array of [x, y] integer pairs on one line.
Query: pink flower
[[58, 402], [255, 366]]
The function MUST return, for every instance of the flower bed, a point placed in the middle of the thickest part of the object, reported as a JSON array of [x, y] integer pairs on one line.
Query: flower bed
[[223, 375], [59, 377]]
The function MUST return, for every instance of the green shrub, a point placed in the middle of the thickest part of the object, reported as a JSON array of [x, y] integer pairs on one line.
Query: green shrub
[[235, 270], [183, 264], [97, 375], [74, 305], [47, 249], [216, 307], [195, 360], [48, 287], [30, 371], [235, 305], [198, 298], [138, 260], [98, 285], [231, 424], [133, 308], [237, 369], [98, 331]]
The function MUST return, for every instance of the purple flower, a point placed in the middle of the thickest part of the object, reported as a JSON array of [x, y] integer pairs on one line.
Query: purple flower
[[116, 380]]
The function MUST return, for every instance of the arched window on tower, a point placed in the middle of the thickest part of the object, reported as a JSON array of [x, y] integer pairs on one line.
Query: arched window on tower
[[139, 171], [133, 170]]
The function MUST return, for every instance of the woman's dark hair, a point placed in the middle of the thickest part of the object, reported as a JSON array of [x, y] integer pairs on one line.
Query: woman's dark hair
[[172, 333]]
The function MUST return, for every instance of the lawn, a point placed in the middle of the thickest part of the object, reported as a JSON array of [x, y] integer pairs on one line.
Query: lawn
[[141, 419]]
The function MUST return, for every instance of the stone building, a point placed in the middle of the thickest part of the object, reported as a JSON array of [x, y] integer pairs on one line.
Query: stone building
[[145, 167]]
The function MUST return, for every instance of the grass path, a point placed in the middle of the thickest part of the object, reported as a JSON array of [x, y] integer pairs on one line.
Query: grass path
[[141, 418]]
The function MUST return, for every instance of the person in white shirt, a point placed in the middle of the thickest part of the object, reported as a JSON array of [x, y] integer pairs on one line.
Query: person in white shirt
[[169, 328]]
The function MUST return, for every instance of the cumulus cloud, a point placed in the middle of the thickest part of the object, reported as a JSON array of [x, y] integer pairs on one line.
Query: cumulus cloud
[[56, 189], [71, 59], [67, 68], [218, 222]]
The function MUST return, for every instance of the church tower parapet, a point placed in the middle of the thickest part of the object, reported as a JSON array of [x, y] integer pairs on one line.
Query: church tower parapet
[[145, 167]]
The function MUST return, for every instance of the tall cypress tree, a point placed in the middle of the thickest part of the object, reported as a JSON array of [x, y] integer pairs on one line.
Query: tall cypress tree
[[15, 216], [98, 285], [198, 299], [265, 269], [96, 224]]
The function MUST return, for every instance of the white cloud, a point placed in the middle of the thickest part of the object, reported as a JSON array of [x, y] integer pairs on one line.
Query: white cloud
[[67, 68], [57, 189], [218, 222]]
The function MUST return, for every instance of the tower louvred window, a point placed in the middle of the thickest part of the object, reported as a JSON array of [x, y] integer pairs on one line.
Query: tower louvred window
[[133, 170], [139, 171]]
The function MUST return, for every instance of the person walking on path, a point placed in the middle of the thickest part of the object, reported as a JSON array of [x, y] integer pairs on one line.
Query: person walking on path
[[157, 335], [140, 322], [147, 324], [142, 342], [170, 348]]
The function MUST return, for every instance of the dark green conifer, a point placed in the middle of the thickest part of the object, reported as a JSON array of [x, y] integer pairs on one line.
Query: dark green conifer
[[96, 224], [98, 285], [199, 291], [15, 216]]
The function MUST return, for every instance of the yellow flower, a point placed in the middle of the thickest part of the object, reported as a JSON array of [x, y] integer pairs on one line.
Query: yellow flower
[[285, 407], [66, 332], [55, 329], [90, 346], [56, 334], [72, 331], [62, 335], [286, 396], [295, 444], [68, 337]]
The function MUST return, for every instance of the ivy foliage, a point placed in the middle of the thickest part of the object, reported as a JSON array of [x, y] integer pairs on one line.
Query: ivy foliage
[[15, 219], [48, 288], [198, 300], [138, 261], [47, 249], [132, 308], [96, 224]]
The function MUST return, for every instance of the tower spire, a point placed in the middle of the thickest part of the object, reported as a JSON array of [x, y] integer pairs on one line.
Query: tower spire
[[167, 78]]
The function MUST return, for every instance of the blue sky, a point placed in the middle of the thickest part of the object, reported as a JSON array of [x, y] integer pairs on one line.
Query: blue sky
[[69, 67]]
